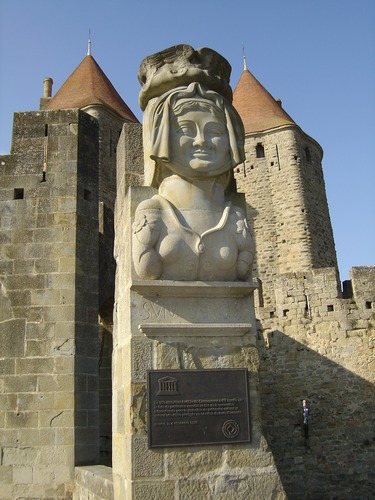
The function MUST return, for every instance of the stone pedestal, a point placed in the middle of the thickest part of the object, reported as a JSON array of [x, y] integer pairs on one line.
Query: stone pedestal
[[169, 325]]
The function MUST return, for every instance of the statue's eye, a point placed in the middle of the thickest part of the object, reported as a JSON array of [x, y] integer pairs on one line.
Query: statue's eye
[[186, 128], [214, 129]]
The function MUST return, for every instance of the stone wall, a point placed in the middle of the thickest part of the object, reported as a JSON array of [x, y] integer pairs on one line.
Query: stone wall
[[283, 182], [105, 397], [93, 483], [316, 346], [313, 344], [49, 345], [110, 126]]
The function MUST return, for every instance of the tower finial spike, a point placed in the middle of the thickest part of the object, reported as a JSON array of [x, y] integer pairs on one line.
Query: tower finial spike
[[244, 58], [89, 44]]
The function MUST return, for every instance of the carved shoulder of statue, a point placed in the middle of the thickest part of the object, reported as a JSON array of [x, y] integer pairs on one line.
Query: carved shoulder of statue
[[146, 227], [146, 233], [245, 243]]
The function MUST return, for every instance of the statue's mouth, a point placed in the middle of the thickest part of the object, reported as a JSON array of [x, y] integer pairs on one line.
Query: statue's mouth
[[202, 154]]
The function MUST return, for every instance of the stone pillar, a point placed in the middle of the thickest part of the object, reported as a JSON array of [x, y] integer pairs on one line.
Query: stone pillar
[[180, 325]]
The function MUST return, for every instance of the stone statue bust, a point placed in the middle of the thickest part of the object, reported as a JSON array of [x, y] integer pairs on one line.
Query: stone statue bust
[[193, 140]]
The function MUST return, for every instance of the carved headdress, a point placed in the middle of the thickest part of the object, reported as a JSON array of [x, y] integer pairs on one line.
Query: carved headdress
[[179, 66]]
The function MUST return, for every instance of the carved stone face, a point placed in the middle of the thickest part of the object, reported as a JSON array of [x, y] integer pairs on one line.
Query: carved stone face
[[199, 144]]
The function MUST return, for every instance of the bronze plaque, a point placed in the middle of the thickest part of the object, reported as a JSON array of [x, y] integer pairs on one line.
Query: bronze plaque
[[197, 407]]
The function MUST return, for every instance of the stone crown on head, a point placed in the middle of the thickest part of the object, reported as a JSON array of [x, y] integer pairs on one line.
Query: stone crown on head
[[181, 65]]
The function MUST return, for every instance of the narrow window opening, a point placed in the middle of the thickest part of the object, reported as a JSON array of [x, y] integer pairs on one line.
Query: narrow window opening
[[330, 308], [244, 169], [259, 150], [46, 130], [260, 293], [272, 163], [87, 195], [308, 154], [307, 307], [368, 305], [306, 304], [285, 312], [272, 314], [18, 193]]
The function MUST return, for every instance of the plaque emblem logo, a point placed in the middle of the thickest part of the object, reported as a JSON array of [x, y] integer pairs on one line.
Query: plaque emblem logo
[[167, 386], [230, 429]]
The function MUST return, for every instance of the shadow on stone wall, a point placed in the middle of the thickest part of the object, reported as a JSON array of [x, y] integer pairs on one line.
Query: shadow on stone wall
[[339, 462]]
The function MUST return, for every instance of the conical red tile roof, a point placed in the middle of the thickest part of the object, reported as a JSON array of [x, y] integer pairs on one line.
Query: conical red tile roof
[[256, 106], [89, 85]]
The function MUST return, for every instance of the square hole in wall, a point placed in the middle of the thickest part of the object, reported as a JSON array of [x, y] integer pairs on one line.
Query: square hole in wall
[[87, 195], [18, 194], [368, 305], [285, 312], [330, 308]]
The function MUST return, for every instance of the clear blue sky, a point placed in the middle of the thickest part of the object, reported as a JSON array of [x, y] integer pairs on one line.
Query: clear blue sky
[[316, 55]]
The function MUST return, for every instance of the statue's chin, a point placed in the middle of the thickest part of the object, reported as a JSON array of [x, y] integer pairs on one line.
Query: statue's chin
[[200, 171]]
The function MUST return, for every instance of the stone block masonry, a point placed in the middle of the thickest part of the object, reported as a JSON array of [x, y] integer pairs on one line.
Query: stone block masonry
[[48, 294], [286, 204], [318, 346], [314, 344]]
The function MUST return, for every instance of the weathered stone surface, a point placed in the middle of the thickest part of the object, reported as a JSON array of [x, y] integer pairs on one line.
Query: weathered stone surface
[[189, 462], [161, 489], [146, 463], [12, 338], [194, 489], [93, 482], [257, 484]]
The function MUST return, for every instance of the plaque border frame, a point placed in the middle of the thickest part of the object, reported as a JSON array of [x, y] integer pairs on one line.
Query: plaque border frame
[[164, 372]]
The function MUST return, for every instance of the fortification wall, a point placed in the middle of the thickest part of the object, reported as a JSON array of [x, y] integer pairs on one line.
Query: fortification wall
[[49, 345], [317, 346]]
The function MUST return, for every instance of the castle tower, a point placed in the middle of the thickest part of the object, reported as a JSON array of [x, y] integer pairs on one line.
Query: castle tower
[[283, 181], [57, 196], [89, 89]]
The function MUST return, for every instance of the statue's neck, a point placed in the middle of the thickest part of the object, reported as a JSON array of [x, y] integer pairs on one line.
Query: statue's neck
[[199, 194]]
